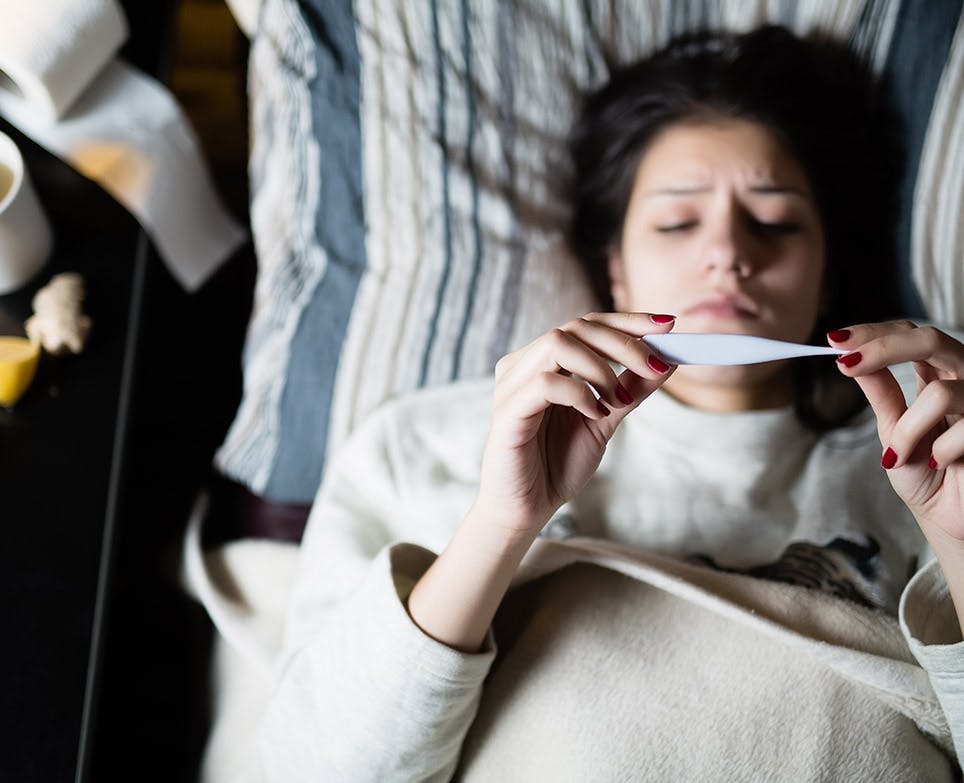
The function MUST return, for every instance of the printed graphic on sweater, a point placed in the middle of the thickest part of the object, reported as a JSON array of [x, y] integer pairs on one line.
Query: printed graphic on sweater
[[844, 568]]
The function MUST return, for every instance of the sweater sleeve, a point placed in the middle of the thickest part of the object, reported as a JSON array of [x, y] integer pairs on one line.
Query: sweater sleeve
[[930, 626], [362, 694]]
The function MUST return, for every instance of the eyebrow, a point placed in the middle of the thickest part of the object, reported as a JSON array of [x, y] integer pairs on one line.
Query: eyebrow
[[765, 190]]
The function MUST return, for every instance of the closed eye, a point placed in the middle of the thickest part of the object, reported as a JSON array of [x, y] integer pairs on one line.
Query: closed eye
[[774, 229], [676, 227]]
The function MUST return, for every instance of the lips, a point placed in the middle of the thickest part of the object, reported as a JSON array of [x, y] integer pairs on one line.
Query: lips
[[725, 306]]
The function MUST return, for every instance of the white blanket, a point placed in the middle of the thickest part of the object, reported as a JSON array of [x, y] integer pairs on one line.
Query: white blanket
[[616, 664], [643, 668]]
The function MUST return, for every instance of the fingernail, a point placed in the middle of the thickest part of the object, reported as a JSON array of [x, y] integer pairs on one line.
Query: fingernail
[[839, 335], [662, 319], [850, 359], [889, 459], [657, 364], [932, 463], [602, 408], [622, 395]]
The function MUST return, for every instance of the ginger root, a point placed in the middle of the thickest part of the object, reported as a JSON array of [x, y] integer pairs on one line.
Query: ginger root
[[58, 323]]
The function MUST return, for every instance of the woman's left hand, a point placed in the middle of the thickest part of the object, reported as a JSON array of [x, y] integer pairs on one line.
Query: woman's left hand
[[923, 444]]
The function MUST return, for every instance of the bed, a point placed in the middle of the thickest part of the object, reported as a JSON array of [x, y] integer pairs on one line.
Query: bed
[[404, 171]]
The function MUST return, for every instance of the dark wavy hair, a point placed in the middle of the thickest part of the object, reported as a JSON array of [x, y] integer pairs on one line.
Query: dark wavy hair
[[825, 105]]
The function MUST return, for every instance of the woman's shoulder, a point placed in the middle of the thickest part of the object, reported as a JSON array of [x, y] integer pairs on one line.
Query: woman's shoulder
[[432, 427], [448, 407]]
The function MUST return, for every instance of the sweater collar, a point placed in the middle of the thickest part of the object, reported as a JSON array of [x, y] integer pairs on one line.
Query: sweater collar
[[756, 432]]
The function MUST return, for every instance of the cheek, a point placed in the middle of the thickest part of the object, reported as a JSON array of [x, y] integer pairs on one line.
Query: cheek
[[653, 284], [801, 281], [796, 290], [811, 277]]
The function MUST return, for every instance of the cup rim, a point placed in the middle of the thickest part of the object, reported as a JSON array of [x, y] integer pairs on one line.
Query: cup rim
[[14, 160]]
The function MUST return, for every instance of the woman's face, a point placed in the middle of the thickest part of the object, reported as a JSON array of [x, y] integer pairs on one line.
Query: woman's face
[[722, 230]]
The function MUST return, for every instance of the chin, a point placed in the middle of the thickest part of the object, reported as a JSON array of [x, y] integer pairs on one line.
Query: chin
[[704, 325], [752, 325], [739, 376]]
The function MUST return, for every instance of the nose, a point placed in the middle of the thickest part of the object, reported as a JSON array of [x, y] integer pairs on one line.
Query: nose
[[728, 245]]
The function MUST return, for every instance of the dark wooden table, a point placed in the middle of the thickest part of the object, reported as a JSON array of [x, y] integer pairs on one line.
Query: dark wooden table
[[105, 657], [63, 451], [62, 455]]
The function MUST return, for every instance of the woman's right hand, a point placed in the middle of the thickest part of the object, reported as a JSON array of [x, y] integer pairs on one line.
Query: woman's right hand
[[548, 431], [547, 437]]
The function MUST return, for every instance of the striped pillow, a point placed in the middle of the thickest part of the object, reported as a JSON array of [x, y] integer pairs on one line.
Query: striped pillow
[[403, 201]]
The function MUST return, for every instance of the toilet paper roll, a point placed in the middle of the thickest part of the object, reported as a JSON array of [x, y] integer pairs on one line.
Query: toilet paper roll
[[68, 92], [51, 51]]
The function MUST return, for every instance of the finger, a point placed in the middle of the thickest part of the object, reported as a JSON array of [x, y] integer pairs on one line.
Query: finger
[[585, 347], [625, 348], [949, 447], [924, 375], [853, 336], [508, 361], [926, 417], [558, 351], [637, 324], [884, 394], [856, 334], [887, 347], [640, 388], [549, 388]]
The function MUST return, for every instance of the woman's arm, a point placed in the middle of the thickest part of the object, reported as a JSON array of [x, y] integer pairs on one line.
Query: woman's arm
[[547, 437], [456, 599], [362, 692]]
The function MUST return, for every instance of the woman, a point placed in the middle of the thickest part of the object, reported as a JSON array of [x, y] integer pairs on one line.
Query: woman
[[713, 206]]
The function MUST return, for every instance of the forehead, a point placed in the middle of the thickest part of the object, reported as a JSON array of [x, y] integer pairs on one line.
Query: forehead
[[703, 153]]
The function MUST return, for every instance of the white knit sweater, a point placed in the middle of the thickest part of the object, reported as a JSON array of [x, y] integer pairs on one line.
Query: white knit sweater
[[685, 501]]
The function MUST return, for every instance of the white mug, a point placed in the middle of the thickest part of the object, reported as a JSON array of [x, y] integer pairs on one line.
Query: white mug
[[25, 236]]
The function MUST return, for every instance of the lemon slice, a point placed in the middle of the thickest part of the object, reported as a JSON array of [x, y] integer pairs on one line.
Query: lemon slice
[[18, 363]]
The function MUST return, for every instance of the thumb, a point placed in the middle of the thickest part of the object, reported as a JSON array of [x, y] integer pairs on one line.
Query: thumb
[[886, 398]]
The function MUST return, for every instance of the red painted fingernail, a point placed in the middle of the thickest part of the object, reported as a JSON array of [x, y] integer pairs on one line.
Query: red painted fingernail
[[839, 335], [850, 359], [657, 364], [662, 319], [622, 395], [889, 459], [932, 463], [602, 408]]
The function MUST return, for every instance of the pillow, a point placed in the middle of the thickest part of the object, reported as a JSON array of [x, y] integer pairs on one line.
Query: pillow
[[405, 218]]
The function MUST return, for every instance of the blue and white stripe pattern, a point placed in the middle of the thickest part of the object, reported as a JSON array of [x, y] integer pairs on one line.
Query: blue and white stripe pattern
[[404, 209]]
